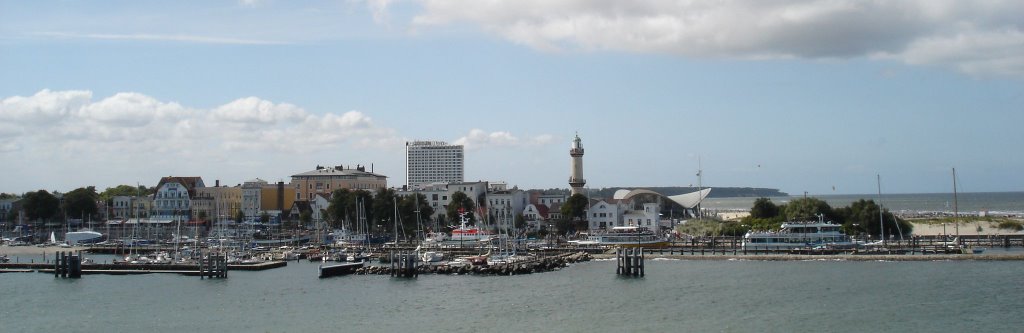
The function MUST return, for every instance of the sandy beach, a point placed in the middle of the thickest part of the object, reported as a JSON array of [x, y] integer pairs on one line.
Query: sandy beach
[[12, 251], [967, 228]]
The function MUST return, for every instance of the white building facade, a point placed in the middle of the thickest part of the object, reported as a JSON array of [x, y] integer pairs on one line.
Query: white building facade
[[429, 162]]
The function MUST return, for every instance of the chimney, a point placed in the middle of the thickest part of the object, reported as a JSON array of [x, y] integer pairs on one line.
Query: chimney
[[280, 196], [216, 183]]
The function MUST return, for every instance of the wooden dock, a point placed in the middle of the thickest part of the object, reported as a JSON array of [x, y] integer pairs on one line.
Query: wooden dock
[[130, 269]]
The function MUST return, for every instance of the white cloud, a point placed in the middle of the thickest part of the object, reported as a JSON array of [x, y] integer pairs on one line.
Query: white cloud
[[975, 37], [141, 126], [479, 139]]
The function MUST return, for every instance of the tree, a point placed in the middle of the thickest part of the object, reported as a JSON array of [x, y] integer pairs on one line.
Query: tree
[[808, 209], [461, 201], [40, 205], [764, 208], [384, 208], [125, 190], [338, 207], [264, 218], [239, 216], [520, 221], [201, 215], [407, 211], [81, 202], [5, 196], [862, 216], [575, 209], [306, 217]]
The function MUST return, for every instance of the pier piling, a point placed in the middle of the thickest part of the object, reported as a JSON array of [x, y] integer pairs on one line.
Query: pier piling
[[630, 262], [67, 265], [404, 265]]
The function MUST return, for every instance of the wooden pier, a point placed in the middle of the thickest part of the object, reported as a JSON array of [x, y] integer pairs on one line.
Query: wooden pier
[[214, 266], [404, 264], [68, 265], [630, 261]]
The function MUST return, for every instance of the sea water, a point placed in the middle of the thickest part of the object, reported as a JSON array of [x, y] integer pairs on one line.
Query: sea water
[[967, 203], [674, 296]]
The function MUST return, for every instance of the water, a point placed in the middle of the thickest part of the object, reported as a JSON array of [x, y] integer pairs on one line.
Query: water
[[718, 296], [1010, 203]]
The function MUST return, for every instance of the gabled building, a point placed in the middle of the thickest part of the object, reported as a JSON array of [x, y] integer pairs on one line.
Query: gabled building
[[173, 198], [504, 205]]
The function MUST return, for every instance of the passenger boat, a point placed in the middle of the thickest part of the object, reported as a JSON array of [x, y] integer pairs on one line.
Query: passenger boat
[[467, 233], [798, 235], [629, 236]]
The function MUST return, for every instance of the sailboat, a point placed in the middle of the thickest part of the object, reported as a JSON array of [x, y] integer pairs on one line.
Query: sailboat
[[956, 222]]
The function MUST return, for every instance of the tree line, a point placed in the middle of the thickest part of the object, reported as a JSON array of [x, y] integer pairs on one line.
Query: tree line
[[860, 217]]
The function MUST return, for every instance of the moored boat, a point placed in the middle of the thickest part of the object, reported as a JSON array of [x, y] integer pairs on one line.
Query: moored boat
[[798, 235], [629, 236]]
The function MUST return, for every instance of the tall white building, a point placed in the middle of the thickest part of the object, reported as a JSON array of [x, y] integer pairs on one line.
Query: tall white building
[[429, 162]]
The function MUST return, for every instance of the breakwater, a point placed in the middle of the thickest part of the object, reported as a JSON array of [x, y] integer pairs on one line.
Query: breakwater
[[527, 266]]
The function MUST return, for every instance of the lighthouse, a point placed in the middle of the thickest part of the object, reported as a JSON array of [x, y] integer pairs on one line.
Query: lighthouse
[[576, 180]]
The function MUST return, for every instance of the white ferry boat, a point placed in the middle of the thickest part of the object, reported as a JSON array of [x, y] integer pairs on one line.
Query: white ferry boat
[[626, 237], [466, 233], [798, 235]]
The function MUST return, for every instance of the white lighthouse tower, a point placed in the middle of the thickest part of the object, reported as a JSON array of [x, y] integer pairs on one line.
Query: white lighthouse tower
[[576, 180]]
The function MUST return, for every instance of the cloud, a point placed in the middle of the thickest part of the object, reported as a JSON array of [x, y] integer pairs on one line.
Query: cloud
[[133, 123], [480, 139], [977, 38]]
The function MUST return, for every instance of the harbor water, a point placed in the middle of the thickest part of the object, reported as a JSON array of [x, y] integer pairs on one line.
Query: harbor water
[[674, 296]]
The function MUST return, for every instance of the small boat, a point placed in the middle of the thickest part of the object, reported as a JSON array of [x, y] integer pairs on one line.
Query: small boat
[[432, 257], [339, 269]]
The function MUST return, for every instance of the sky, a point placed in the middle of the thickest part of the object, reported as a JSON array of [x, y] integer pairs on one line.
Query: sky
[[812, 96]]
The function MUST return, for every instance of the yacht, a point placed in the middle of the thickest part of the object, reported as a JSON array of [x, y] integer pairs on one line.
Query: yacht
[[798, 235], [468, 233], [629, 236]]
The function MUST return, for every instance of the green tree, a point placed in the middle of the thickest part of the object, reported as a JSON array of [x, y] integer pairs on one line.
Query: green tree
[[862, 216], [264, 218], [125, 190], [40, 205], [575, 208], [384, 208], [764, 208], [340, 204], [239, 216], [520, 221], [306, 217], [808, 209], [201, 215], [81, 202], [5, 196], [407, 211], [461, 201]]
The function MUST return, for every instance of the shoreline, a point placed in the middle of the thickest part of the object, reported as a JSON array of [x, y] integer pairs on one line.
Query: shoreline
[[841, 257]]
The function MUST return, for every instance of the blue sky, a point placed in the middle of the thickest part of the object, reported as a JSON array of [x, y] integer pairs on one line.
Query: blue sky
[[800, 96]]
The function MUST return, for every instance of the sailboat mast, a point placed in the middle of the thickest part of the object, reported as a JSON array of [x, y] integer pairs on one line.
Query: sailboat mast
[[881, 219], [956, 212]]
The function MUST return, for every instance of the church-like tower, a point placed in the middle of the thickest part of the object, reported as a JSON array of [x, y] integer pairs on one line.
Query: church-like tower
[[576, 180]]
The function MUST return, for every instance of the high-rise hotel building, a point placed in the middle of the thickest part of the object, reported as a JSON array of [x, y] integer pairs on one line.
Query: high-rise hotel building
[[429, 162]]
